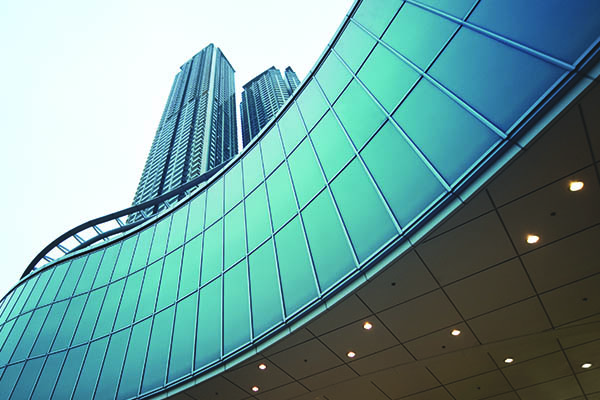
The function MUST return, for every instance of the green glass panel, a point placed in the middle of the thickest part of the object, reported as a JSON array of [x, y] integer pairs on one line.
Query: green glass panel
[[169, 281], [235, 236], [418, 34], [142, 249], [331, 145], [208, 334], [236, 308], [124, 260], [387, 77], [69, 323], [233, 187], [212, 253], [90, 370], [297, 279], [214, 202], [89, 316], [109, 309], [359, 113], [253, 169], [281, 196], [291, 128], [312, 105], [47, 379], [28, 337], [272, 151], [376, 15], [149, 289], [158, 350], [130, 300], [159, 242], [190, 269], [13, 337], [196, 219], [50, 328], [328, 245], [306, 174], [30, 372], [68, 374], [134, 361], [58, 273], [457, 8], [111, 370], [12, 299], [333, 77], [18, 307], [38, 289], [5, 330], [177, 234], [72, 277], [9, 378], [354, 45], [182, 346], [264, 288], [106, 266], [257, 217], [87, 276]]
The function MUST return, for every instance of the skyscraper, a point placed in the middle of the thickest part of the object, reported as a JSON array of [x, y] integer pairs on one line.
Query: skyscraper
[[198, 129], [262, 97]]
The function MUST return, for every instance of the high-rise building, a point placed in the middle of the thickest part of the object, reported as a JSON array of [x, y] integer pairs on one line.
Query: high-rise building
[[262, 97], [198, 129]]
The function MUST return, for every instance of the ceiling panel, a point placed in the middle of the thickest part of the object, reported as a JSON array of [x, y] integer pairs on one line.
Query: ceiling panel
[[284, 392], [589, 106], [217, 388], [306, 359], [480, 386], [250, 375], [442, 342], [537, 370], [558, 389], [391, 357], [574, 301], [349, 310], [460, 365], [404, 380], [329, 377]]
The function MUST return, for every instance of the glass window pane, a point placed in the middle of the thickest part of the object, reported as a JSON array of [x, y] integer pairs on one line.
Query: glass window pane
[[109, 309], [291, 128], [50, 328], [170, 279], [182, 346], [208, 334], [306, 174], [312, 104], [281, 196], [77, 268], [106, 266], [47, 379], [329, 247], [257, 217], [272, 151], [130, 300], [28, 336], [359, 113], [376, 15], [331, 145], [233, 186], [214, 202], [13, 337], [297, 279], [354, 45], [91, 369], [58, 273], [18, 307], [68, 374], [196, 219], [149, 289], [89, 316], [69, 323], [140, 256], [158, 350], [38, 289], [236, 308], [30, 372], [212, 254], [253, 169], [111, 370], [190, 270], [177, 233], [264, 288], [159, 242], [235, 236], [134, 361], [458, 8], [333, 77], [9, 377], [11, 299], [124, 259]]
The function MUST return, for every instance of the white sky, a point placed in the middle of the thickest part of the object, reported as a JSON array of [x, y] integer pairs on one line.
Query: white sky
[[83, 85]]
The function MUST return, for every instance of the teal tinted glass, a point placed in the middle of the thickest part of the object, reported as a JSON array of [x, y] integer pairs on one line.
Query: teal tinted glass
[[196, 219], [362, 213], [58, 273], [182, 346], [418, 34], [47, 379], [129, 301], [208, 334], [233, 187], [124, 260], [272, 151], [89, 316], [291, 128], [257, 217], [12, 297], [68, 374], [407, 184], [158, 350], [425, 117], [306, 174], [236, 308], [376, 15], [214, 202], [36, 292], [297, 278], [331, 145], [159, 242], [134, 361], [264, 288], [169, 281], [25, 294], [333, 77], [235, 236], [12, 340], [312, 104], [190, 268], [24, 387], [109, 309], [111, 370], [253, 170], [107, 265], [458, 8], [50, 328], [69, 323], [149, 290], [328, 245], [359, 113], [281, 196], [72, 278], [140, 257], [29, 335], [387, 77], [90, 370], [4, 339], [212, 254], [178, 225], [354, 45], [9, 377], [5, 330]]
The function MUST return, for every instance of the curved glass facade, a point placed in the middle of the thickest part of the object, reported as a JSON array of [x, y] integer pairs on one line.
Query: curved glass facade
[[410, 103]]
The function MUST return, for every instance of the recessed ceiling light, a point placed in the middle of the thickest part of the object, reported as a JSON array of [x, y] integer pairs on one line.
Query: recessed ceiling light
[[455, 332], [367, 325], [262, 366], [509, 360], [586, 365], [255, 388], [531, 239], [575, 186], [351, 354]]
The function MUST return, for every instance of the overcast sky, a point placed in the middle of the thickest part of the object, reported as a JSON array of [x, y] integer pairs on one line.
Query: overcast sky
[[83, 85]]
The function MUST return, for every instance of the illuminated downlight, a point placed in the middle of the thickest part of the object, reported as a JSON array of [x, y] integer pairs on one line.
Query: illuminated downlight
[[255, 388], [586, 365], [509, 360], [262, 366], [367, 325], [575, 186], [532, 239], [351, 354], [455, 332]]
